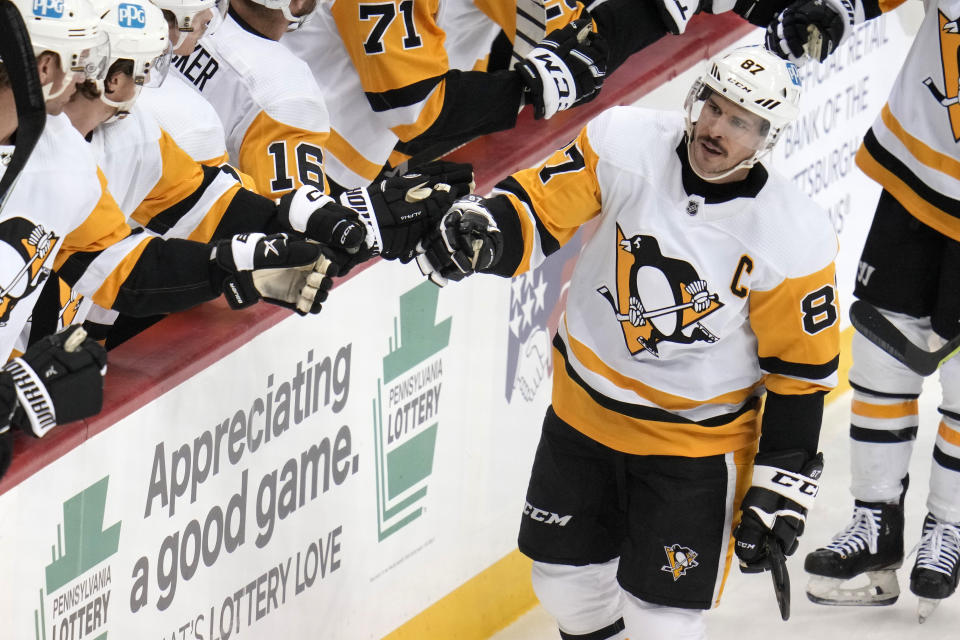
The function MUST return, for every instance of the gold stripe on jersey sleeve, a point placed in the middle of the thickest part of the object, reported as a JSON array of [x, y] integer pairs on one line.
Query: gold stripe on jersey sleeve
[[919, 149], [921, 209], [662, 399], [428, 114], [563, 193], [106, 294], [645, 437], [216, 162], [390, 49], [345, 152], [299, 152], [180, 176], [896, 410], [105, 226], [798, 324], [204, 231], [788, 386]]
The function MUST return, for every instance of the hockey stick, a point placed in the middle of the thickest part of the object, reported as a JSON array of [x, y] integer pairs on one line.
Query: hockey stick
[[17, 55], [781, 577], [877, 329], [655, 313]]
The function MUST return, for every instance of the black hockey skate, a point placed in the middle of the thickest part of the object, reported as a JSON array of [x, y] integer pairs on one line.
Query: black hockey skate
[[935, 573], [871, 544]]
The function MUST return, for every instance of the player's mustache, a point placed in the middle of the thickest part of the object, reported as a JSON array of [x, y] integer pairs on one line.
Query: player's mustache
[[713, 142]]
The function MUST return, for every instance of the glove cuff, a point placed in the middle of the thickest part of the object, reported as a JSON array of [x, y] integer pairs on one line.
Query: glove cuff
[[32, 397], [800, 487], [850, 12], [359, 201]]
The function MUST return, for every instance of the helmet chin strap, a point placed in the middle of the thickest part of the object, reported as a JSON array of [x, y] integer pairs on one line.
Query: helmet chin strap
[[295, 21], [743, 164]]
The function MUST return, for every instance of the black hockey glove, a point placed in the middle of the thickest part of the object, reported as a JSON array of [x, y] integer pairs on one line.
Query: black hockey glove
[[775, 507], [810, 29], [290, 273], [467, 240], [565, 69], [58, 380], [399, 210], [386, 218]]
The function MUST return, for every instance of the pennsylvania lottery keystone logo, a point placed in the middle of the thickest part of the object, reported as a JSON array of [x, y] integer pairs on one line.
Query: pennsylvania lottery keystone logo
[[406, 407], [79, 599]]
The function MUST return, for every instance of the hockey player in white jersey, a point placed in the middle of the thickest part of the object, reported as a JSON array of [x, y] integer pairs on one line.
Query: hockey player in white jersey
[[161, 189], [709, 280], [77, 231], [271, 108], [190, 120], [73, 389], [907, 270]]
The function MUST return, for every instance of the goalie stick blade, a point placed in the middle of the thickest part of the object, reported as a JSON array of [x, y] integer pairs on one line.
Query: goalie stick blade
[[874, 326], [17, 54]]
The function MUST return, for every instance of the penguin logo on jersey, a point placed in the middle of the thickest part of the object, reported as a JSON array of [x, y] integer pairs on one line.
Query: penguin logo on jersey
[[680, 559], [658, 298], [70, 302], [24, 247], [950, 57]]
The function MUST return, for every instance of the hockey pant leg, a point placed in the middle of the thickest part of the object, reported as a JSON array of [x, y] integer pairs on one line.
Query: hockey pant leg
[[585, 601], [646, 621], [884, 414], [943, 500]]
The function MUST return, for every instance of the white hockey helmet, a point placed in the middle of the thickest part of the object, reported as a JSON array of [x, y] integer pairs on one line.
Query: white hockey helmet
[[138, 32], [185, 12], [71, 29], [756, 80]]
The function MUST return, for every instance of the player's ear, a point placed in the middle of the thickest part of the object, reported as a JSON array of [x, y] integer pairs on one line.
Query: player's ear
[[47, 62], [114, 81]]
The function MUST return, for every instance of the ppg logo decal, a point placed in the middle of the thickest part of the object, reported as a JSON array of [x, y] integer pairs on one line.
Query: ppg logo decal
[[131, 16], [794, 74], [48, 8]]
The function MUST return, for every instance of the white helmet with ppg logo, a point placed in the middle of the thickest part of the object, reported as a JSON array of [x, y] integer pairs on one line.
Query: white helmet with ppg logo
[[138, 33], [756, 80], [71, 29]]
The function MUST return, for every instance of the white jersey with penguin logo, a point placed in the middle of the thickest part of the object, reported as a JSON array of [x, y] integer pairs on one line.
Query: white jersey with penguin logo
[[58, 207], [681, 307]]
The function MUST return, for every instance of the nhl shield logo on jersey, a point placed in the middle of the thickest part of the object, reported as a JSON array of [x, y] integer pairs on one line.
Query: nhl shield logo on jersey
[[680, 559], [659, 299], [950, 57], [24, 247]]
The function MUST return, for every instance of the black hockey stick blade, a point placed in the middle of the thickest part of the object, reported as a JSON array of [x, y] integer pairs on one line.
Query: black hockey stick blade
[[874, 326], [781, 578], [17, 55]]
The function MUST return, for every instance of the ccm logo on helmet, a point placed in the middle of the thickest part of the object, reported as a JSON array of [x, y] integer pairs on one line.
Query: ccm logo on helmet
[[131, 16], [48, 8]]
